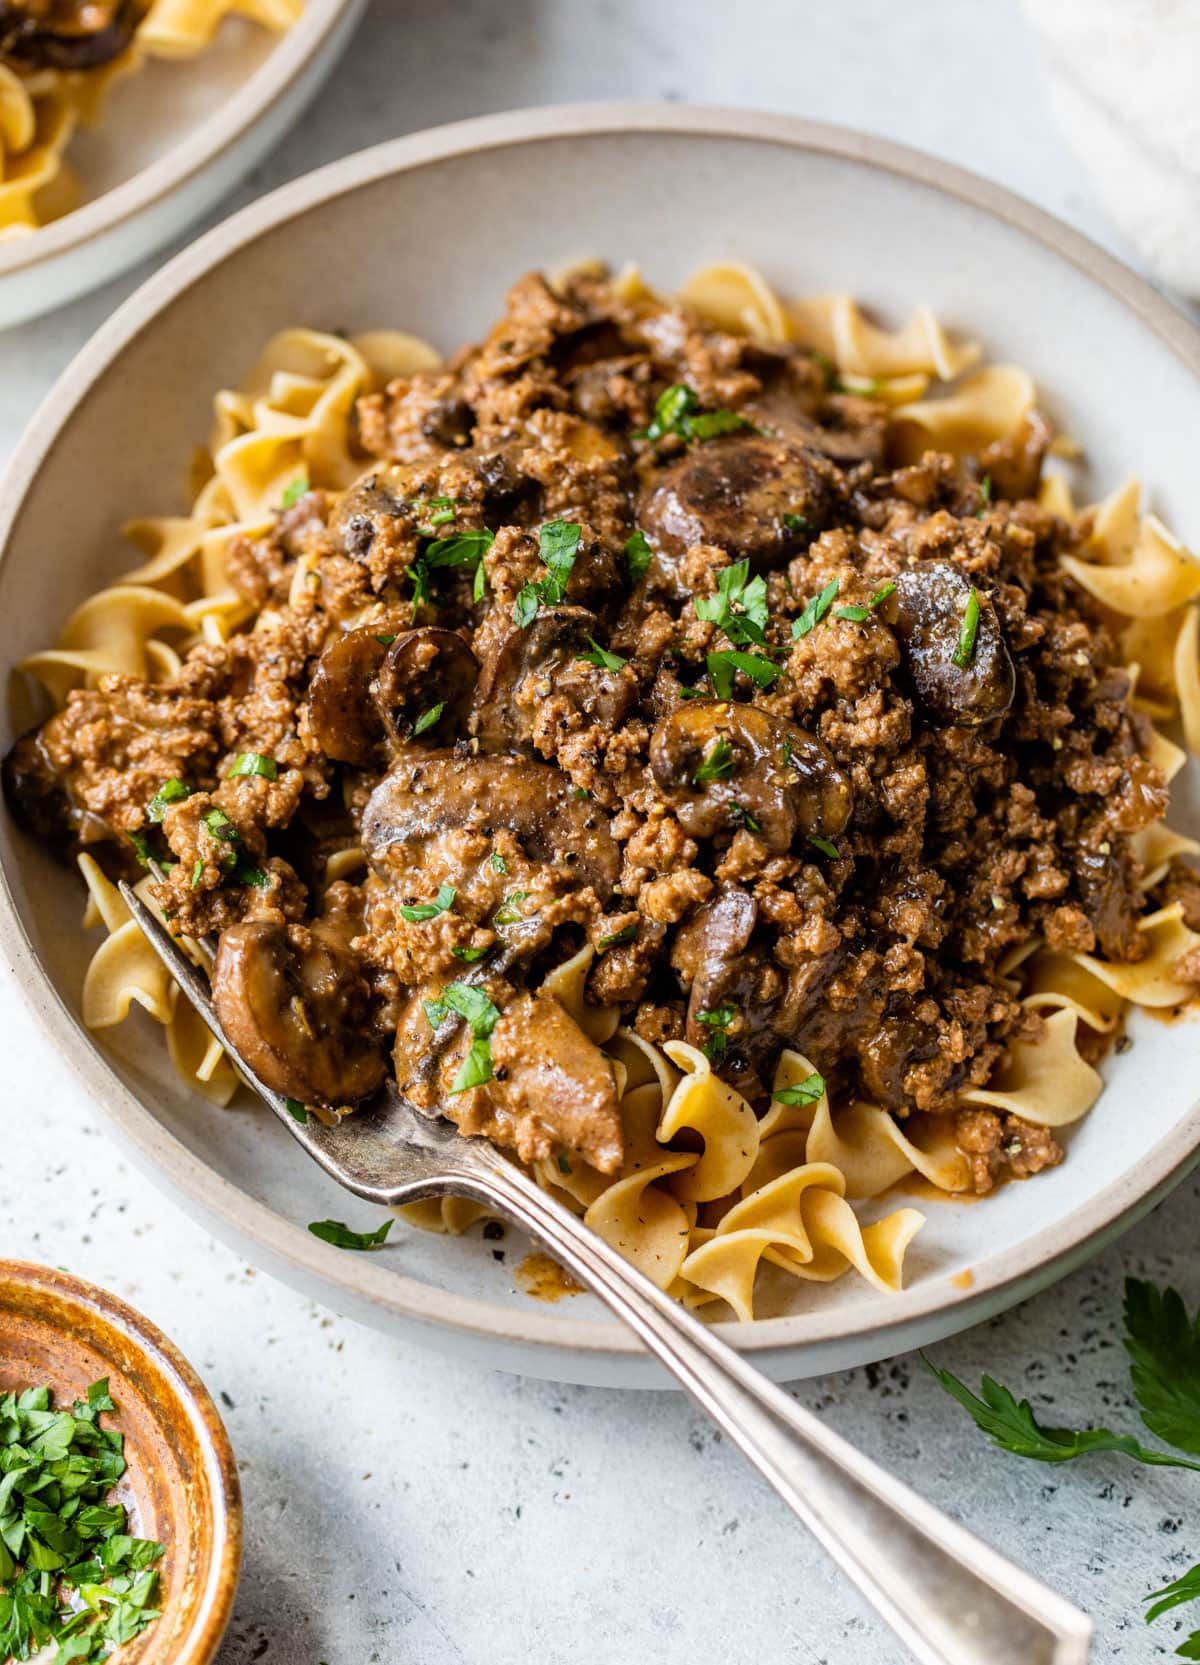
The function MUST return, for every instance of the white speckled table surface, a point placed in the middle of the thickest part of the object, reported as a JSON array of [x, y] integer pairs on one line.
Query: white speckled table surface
[[401, 1508]]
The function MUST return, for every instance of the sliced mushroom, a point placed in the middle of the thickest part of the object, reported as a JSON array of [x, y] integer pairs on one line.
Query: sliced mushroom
[[67, 34], [295, 1005], [342, 714], [776, 779], [553, 1087], [734, 492], [37, 795], [369, 687], [928, 612], [375, 508], [1014, 465], [423, 796], [526, 665], [421, 670], [716, 962]]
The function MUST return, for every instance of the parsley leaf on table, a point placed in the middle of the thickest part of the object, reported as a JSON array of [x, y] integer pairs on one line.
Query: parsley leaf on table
[[1012, 1426], [1164, 1361]]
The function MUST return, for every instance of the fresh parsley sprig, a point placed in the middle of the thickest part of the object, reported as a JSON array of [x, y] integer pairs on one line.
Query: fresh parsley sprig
[[1163, 1344], [677, 412]]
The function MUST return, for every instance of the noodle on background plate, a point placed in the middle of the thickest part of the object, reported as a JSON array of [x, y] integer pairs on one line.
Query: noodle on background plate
[[42, 108], [707, 1191]]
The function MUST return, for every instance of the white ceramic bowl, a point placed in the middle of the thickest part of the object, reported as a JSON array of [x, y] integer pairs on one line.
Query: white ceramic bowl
[[175, 138], [350, 247]]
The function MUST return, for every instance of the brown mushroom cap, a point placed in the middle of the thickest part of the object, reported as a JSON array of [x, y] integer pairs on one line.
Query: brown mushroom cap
[[781, 778], [426, 794], [294, 1004], [927, 613], [734, 492], [36, 794], [422, 669], [715, 960], [344, 718], [369, 688], [526, 665], [68, 37]]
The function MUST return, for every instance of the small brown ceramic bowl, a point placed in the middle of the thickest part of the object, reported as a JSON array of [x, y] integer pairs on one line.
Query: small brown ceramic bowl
[[181, 1483]]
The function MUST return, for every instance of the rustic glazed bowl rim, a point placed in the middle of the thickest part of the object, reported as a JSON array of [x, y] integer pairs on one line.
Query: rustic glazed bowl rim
[[210, 1611], [1044, 1255], [221, 131]]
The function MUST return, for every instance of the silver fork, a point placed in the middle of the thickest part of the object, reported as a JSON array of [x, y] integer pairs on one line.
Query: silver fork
[[952, 1598]]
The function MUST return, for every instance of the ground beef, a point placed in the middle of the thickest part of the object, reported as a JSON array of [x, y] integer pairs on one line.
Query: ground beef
[[765, 793]]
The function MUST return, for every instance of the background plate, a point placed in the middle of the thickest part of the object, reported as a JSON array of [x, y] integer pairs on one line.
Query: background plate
[[173, 140]]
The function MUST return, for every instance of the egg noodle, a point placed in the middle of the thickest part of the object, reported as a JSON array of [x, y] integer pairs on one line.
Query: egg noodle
[[707, 1191], [41, 109]]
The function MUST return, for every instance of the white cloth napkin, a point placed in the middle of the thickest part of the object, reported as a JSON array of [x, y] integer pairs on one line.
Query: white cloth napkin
[[1123, 79]]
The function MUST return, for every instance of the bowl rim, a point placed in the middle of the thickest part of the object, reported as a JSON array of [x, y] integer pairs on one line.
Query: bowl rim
[[214, 1604], [217, 133], [998, 1279]]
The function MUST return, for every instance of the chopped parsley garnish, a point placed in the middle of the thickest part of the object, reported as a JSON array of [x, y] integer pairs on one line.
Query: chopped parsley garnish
[[558, 544], [737, 590], [296, 1110], [858, 611], [171, 791], [965, 650], [220, 826], [717, 762], [509, 912], [444, 507], [816, 609], [476, 1068], [499, 865], [564, 1167], [675, 412], [70, 1572], [294, 492], [458, 549], [428, 718], [808, 1091], [470, 955], [385, 641], [197, 871], [417, 913], [638, 556], [723, 666], [245, 874], [580, 792], [625, 934], [602, 658], [333, 1231], [718, 1020], [471, 1003], [742, 815], [141, 847], [826, 847], [254, 763], [795, 523], [985, 488]]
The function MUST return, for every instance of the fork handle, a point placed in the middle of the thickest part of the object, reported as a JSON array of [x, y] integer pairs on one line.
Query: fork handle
[[951, 1598]]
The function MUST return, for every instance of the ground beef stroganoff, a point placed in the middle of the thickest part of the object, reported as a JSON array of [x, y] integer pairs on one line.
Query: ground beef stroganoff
[[639, 636]]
